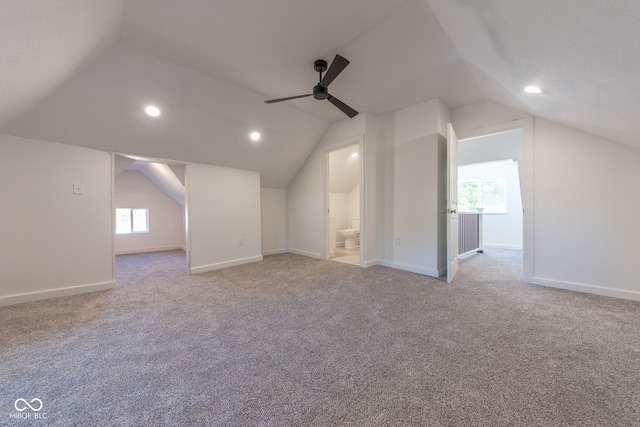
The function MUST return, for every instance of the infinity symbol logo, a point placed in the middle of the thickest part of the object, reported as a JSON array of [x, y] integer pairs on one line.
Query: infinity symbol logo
[[34, 408]]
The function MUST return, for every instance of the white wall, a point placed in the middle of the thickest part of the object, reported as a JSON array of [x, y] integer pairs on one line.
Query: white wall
[[54, 243], [224, 217], [583, 224], [274, 220], [497, 146], [481, 115], [369, 203], [305, 208], [411, 188], [585, 213], [353, 204], [339, 209], [489, 148], [344, 207], [166, 217]]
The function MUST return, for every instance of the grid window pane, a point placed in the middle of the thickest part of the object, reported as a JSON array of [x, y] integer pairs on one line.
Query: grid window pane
[[494, 195], [130, 220], [490, 194], [140, 220], [123, 221], [468, 195]]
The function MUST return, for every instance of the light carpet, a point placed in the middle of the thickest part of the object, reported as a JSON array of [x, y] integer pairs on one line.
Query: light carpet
[[295, 341]]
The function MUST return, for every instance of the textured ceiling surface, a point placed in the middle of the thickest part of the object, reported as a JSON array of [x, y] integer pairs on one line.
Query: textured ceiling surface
[[80, 71]]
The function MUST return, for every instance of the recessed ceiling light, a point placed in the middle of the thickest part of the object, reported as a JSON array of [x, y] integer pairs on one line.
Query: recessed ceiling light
[[152, 110], [532, 89], [354, 155], [255, 136]]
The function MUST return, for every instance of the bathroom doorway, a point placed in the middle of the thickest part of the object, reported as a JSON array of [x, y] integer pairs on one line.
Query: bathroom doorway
[[344, 195]]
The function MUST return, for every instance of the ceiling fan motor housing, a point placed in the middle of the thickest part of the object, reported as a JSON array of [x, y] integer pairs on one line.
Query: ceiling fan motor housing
[[320, 65], [320, 92]]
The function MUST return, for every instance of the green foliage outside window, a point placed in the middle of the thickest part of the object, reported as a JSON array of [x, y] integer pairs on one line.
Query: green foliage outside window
[[490, 194]]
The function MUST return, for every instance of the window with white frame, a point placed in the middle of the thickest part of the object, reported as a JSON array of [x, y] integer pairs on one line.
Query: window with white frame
[[132, 220], [490, 194]]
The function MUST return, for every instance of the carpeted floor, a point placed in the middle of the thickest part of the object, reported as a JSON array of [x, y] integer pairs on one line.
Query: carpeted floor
[[298, 341]]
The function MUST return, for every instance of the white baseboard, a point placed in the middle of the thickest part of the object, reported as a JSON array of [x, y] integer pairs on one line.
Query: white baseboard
[[499, 246], [145, 250], [442, 271], [225, 264], [591, 289], [411, 268], [306, 253], [275, 251], [55, 293], [371, 263], [466, 255]]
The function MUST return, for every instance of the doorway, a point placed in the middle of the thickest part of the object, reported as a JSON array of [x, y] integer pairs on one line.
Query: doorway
[[149, 206], [344, 204], [490, 185]]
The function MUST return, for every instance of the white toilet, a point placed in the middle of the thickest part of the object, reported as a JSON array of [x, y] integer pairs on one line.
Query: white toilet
[[351, 235]]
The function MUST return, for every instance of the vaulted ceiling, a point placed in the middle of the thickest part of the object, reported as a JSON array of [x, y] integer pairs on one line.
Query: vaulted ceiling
[[81, 71]]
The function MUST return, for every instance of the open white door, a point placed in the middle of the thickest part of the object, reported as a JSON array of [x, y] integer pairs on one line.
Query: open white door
[[452, 203]]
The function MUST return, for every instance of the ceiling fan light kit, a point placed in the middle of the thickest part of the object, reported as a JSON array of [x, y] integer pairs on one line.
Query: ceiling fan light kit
[[321, 90]]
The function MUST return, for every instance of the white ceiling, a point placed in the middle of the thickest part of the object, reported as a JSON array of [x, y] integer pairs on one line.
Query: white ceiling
[[43, 43], [80, 71], [344, 170], [584, 53]]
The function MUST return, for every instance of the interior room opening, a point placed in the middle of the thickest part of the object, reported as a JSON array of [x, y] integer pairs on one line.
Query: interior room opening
[[344, 205], [490, 194], [149, 207]]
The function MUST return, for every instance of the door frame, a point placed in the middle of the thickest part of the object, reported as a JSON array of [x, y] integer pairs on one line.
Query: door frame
[[187, 202], [526, 124], [452, 203], [355, 141]]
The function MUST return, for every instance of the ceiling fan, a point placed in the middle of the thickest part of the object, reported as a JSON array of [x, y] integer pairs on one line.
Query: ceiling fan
[[321, 90]]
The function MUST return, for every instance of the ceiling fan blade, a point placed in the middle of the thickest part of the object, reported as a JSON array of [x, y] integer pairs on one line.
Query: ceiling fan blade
[[339, 63], [342, 106], [271, 101]]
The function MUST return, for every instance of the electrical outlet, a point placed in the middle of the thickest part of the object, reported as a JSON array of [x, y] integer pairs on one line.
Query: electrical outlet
[[397, 241], [78, 189], [240, 241]]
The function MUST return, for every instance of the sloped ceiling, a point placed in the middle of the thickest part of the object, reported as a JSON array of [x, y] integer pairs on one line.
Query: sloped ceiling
[[585, 54], [167, 177], [81, 71], [43, 43], [344, 170]]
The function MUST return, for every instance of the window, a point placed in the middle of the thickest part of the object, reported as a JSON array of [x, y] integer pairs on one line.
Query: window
[[130, 220], [490, 194]]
